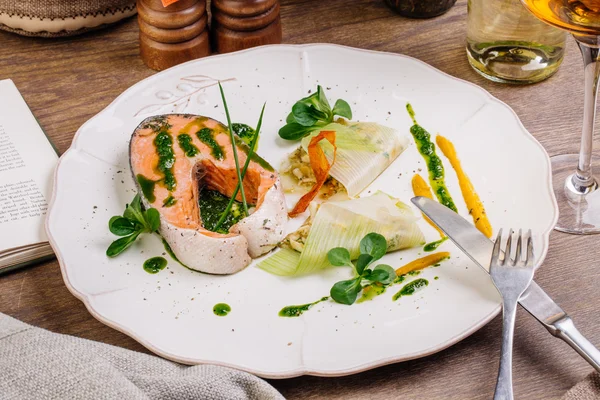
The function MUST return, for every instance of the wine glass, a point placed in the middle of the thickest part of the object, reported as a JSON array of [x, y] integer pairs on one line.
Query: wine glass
[[576, 189]]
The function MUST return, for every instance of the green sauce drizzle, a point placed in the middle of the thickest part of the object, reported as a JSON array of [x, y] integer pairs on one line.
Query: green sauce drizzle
[[296, 311], [434, 245], [166, 158], [371, 292], [434, 163], [414, 273], [244, 132], [154, 265], [169, 201], [147, 186], [411, 288], [212, 205], [185, 142], [221, 309], [207, 137]]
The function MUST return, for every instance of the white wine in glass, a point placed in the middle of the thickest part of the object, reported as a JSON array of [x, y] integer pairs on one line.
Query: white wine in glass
[[575, 187]]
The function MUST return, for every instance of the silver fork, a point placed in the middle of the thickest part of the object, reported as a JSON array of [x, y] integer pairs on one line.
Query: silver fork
[[511, 278]]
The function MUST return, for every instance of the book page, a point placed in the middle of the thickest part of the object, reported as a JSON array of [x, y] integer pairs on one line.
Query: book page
[[27, 162]]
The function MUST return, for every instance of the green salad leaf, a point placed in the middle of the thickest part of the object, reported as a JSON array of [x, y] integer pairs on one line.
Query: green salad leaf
[[131, 225], [372, 247], [311, 113]]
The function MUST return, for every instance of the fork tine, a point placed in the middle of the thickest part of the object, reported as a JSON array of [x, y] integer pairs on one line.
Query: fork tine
[[508, 249], [496, 252], [529, 259], [518, 259]]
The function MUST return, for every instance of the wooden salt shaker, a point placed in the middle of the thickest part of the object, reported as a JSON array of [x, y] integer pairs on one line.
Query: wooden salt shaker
[[241, 24], [174, 34]]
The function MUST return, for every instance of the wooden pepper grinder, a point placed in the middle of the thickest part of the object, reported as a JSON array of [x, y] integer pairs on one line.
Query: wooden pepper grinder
[[241, 24], [174, 34]]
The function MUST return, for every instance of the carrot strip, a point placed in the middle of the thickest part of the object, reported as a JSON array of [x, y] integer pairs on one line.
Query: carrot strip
[[423, 262], [421, 188], [320, 167]]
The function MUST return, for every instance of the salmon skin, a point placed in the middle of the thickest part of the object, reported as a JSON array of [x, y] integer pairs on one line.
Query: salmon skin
[[172, 158]]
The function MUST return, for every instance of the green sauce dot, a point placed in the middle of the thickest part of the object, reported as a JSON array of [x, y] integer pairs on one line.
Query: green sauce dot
[[154, 265], [221, 309]]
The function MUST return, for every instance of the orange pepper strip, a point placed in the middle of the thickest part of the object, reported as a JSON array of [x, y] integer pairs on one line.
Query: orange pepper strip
[[421, 188], [320, 167], [423, 262]]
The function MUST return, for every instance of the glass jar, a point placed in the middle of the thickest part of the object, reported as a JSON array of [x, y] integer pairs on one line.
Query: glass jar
[[506, 43], [420, 8]]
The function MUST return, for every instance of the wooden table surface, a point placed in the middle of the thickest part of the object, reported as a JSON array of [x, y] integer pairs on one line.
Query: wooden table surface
[[67, 81]]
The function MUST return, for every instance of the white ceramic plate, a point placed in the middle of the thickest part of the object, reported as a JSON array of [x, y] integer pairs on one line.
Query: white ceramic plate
[[171, 313]]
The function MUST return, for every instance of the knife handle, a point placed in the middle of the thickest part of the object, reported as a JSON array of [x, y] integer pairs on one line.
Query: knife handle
[[565, 329]]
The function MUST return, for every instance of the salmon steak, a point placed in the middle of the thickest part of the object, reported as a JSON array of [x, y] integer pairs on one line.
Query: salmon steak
[[175, 160]]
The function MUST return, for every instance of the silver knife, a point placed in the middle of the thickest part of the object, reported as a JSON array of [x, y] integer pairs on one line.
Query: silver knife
[[537, 303]]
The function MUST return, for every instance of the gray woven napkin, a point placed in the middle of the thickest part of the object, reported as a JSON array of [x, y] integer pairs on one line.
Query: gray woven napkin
[[38, 364], [588, 389]]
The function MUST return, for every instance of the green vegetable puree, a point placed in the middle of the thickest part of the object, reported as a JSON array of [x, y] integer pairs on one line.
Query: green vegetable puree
[[185, 142], [207, 137], [434, 163], [154, 265], [411, 288], [221, 309], [147, 186], [296, 311], [166, 158], [434, 245], [212, 205]]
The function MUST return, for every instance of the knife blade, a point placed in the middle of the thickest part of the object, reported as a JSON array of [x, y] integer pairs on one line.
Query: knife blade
[[537, 303]]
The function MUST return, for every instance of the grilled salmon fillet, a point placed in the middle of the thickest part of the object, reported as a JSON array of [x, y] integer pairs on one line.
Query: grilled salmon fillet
[[173, 157]]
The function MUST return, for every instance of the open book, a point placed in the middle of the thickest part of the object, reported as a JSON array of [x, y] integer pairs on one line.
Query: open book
[[27, 162]]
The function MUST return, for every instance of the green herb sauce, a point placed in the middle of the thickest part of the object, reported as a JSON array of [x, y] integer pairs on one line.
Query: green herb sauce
[[296, 311], [434, 163], [147, 186], [221, 309], [434, 245], [369, 292], [169, 201], [154, 265], [244, 132], [166, 158], [212, 205], [185, 142], [414, 273], [207, 137], [411, 288]]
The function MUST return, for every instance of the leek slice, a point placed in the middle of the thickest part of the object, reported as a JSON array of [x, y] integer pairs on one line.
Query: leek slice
[[364, 150], [344, 224]]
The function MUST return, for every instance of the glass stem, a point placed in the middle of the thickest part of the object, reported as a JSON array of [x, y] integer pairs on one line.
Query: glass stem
[[582, 180]]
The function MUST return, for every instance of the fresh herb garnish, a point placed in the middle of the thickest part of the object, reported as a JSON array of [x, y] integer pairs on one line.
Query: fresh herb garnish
[[372, 247], [235, 154], [239, 186], [134, 222], [312, 112]]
